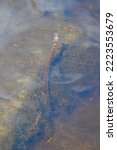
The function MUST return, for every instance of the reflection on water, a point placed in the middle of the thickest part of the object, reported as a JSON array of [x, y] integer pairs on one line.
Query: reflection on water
[[62, 115]]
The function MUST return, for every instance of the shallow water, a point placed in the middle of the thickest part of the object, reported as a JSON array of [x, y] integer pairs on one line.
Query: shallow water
[[65, 114]]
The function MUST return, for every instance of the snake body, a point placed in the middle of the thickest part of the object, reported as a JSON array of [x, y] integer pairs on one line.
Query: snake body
[[53, 51]]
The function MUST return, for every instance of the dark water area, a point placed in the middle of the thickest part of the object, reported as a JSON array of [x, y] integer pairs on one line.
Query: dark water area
[[62, 112]]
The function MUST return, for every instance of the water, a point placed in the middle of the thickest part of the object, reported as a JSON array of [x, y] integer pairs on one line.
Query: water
[[64, 115]]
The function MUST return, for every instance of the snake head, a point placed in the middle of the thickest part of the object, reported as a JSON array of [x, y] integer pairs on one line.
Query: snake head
[[56, 37]]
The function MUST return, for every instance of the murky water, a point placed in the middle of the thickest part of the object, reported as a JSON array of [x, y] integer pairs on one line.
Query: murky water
[[61, 112]]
